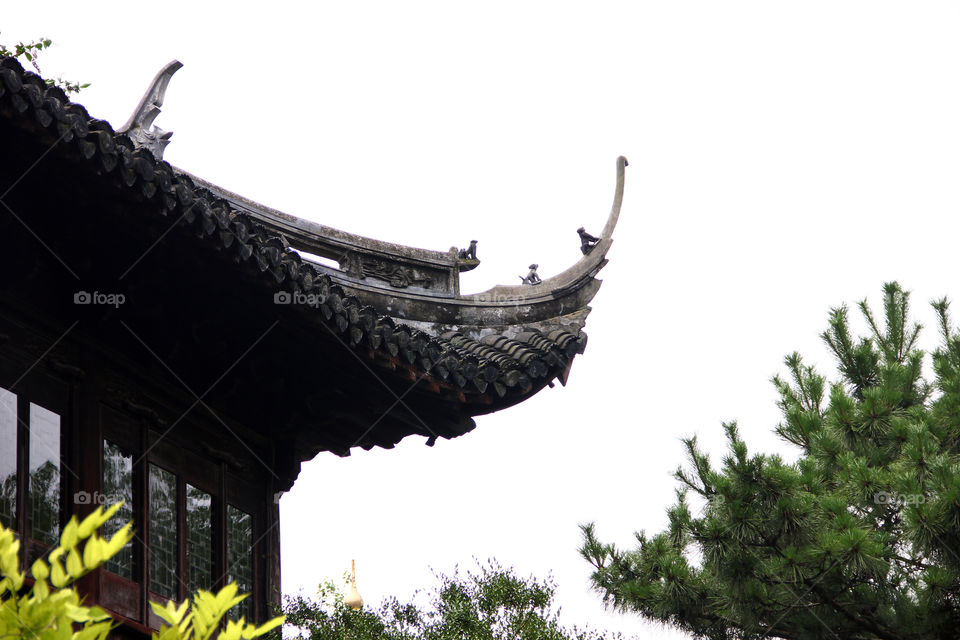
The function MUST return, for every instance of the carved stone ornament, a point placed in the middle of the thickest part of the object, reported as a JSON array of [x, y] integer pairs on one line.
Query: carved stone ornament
[[140, 126], [397, 276], [532, 277], [587, 241], [470, 253]]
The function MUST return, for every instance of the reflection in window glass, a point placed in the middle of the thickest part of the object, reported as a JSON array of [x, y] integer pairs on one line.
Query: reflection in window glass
[[163, 532], [8, 458], [118, 486], [199, 540], [44, 459], [240, 558]]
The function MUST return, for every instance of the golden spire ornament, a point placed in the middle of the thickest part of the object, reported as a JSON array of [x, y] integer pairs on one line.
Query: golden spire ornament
[[353, 599]]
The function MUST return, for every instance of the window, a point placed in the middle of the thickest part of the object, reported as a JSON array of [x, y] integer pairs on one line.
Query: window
[[163, 533], [59, 456], [118, 487], [240, 557], [44, 475], [197, 520], [199, 540], [30, 448], [8, 459]]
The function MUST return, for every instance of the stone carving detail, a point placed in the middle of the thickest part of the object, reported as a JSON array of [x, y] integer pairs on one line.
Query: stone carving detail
[[532, 277], [470, 253], [140, 126], [351, 263], [397, 276], [587, 241]]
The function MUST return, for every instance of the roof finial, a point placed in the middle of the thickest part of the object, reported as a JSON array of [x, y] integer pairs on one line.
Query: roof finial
[[140, 125], [353, 599]]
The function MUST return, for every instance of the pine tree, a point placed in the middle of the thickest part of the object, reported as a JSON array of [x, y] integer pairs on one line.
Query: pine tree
[[859, 538]]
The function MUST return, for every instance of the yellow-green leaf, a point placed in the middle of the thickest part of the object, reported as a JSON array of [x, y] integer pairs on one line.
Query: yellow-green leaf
[[112, 510], [40, 570], [58, 577], [68, 538], [90, 524], [269, 626], [74, 564], [166, 613], [93, 555]]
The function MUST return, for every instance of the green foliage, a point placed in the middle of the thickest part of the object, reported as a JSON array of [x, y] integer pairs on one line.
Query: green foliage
[[52, 610], [493, 604], [202, 618], [29, 52], [859, 538]]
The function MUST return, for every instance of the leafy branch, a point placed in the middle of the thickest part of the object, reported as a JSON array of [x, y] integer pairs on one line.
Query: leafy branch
[[29, 52]]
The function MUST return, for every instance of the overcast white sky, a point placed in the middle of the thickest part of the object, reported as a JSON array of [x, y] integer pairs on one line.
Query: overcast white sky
[[784, 158]]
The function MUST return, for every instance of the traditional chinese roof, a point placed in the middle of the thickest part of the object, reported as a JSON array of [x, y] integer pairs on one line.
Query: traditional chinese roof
[[397, 309]]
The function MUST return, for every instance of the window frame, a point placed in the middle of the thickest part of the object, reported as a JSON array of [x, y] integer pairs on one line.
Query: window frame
[[55, 395], [91, 412], [224, 485]]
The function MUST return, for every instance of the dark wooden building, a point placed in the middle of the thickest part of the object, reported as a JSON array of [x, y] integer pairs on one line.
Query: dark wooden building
[[176, 346]]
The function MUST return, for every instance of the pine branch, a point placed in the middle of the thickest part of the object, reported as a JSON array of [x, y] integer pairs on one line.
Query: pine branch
[[877, 334], [879, 631]]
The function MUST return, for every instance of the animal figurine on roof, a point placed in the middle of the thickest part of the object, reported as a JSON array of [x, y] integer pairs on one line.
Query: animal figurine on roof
[[532, 277], [587, 241], [470, 253]]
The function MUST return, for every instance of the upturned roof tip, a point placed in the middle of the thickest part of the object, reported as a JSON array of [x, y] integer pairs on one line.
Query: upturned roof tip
[[140, 126]]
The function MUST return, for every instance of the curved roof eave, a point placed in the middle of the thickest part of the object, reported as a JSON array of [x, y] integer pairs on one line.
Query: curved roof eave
[[566, 293], [467, 356]]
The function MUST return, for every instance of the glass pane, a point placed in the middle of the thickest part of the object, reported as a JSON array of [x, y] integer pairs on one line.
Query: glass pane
[[117, 487], [8, 459], [199, 540], [240, 558], [163, 532], [44, 475]]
